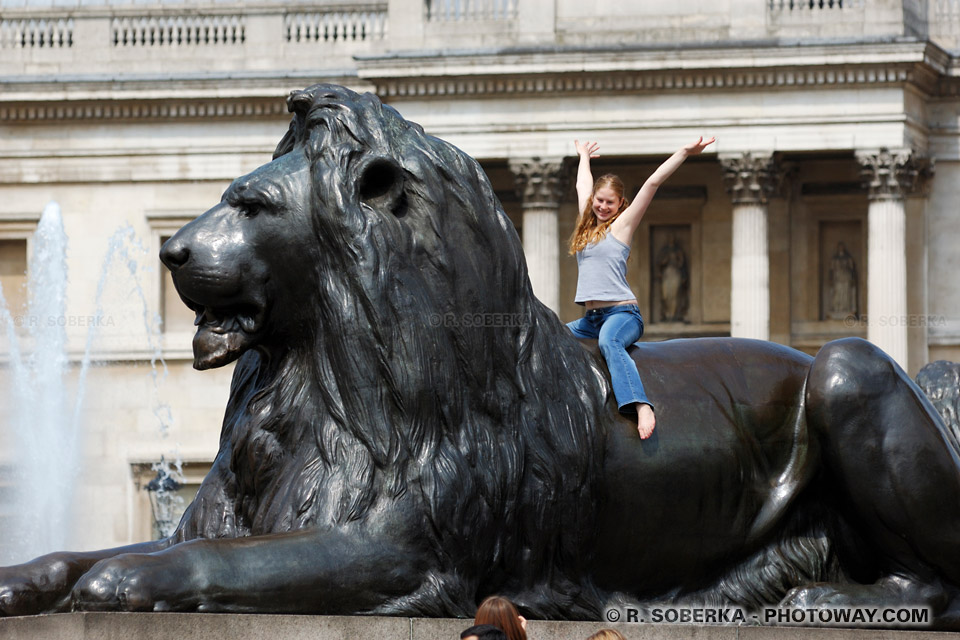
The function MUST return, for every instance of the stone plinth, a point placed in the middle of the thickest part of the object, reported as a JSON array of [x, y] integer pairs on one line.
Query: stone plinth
[[197, 626]]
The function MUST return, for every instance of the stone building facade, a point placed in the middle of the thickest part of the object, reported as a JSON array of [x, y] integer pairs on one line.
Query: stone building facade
[[827, 207]]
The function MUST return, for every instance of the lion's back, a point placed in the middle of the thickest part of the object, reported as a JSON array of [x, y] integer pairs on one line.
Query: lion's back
[[729, 414], [749, 371]]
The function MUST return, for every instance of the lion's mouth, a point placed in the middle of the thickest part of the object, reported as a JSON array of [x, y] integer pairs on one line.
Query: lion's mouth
[[223, 333], [225, 321]]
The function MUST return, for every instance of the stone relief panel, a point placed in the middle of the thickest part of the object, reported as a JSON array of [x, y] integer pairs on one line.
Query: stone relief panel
[[670, 269], [841, 263], [828, 289], [665, 267]]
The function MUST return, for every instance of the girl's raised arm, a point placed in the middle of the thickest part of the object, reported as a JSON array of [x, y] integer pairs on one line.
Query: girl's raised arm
[[585, 150], [628, 221]]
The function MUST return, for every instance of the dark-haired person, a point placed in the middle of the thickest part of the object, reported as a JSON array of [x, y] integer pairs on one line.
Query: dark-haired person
[[483, 632], [601, 242], [502, 613]]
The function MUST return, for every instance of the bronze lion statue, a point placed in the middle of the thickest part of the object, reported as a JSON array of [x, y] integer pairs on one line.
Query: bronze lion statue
[[409, 429]]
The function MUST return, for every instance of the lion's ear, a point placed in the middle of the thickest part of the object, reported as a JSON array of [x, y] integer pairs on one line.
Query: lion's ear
[[381, 185]]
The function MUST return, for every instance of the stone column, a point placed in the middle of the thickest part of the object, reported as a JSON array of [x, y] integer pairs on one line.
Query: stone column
[[750, 180], [539, 184], [890, 177]]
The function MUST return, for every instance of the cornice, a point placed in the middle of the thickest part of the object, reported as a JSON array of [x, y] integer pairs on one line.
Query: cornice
[[567, 71], [759, 54], [483, 74], [142, 109], [155, 98], [674, 80]]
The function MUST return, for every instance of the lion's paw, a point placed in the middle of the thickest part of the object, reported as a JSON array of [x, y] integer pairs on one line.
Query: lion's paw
[[123, 583], [18, 597], [35, 587]]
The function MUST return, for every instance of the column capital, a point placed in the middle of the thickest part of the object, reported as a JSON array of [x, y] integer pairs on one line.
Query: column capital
[[751, 178], [894, 173], [540, 182]]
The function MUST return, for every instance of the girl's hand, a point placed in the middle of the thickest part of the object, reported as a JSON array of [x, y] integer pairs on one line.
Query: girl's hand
[[698, 146], [587, 148]]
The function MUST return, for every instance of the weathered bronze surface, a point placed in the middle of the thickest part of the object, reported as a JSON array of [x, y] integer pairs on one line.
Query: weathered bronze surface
[[410, 430]]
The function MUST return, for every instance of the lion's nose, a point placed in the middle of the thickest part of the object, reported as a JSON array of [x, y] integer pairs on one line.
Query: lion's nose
[[174, 253]]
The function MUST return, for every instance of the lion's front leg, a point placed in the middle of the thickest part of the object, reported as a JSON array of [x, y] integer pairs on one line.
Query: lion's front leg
[[300, 572], [43, 585]]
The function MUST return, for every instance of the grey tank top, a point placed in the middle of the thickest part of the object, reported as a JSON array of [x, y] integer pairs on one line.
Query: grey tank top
[[603, 271]]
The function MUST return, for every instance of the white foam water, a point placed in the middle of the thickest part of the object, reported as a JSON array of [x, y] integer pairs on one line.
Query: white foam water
[[45, 425]]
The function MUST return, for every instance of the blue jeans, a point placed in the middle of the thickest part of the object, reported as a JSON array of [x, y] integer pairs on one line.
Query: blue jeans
[[616, 328]]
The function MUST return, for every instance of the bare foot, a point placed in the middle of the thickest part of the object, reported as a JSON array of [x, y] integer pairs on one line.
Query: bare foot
[[646, 421]]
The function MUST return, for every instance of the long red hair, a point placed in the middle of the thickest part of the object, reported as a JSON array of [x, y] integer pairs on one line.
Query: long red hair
[[500, 612], [589, 228]]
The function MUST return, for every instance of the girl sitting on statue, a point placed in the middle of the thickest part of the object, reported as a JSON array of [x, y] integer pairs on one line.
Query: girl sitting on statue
[[601, 242]]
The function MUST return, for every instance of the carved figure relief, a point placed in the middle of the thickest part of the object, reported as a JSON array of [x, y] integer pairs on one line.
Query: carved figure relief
[[674, 281], [843, 284]]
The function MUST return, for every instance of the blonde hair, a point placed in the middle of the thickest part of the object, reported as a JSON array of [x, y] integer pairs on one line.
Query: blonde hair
[[607, 634], [589, 228]]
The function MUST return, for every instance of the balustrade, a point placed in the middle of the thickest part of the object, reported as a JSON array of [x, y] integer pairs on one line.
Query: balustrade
[[471, 10], [336, 26], [813, 5], [145, 31], [261, 29], [36, 33]]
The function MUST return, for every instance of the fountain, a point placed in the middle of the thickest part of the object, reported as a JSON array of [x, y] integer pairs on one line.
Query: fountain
[[45, 425], [45, 464]]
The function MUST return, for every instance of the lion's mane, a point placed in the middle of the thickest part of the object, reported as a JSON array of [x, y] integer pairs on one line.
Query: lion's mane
[[940, 382], [489, 419]]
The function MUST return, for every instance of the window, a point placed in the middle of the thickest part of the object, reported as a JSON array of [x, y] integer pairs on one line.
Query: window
[[13, 276], [16, 233], [177, 317], [149, 510]]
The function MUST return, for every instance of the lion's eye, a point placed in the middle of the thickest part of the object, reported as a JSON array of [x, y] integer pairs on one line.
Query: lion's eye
[[248, 209]]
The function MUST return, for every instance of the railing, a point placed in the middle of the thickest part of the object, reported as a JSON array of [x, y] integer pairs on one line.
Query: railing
[[812, 5], [336, 26], [471, 10], [828, 18], [36, 33], [38, 39], [177, 31]]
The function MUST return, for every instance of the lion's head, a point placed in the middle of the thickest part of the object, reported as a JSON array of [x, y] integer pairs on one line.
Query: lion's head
[[395, 348], [227, 269]]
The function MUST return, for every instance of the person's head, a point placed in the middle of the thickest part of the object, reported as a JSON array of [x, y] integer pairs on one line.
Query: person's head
[[483, 632], [607, 201], [500, 612], [605, 204], [607, 634]]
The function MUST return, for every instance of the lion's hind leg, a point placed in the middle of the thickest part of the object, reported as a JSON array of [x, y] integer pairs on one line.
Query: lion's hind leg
[[894, 471]]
